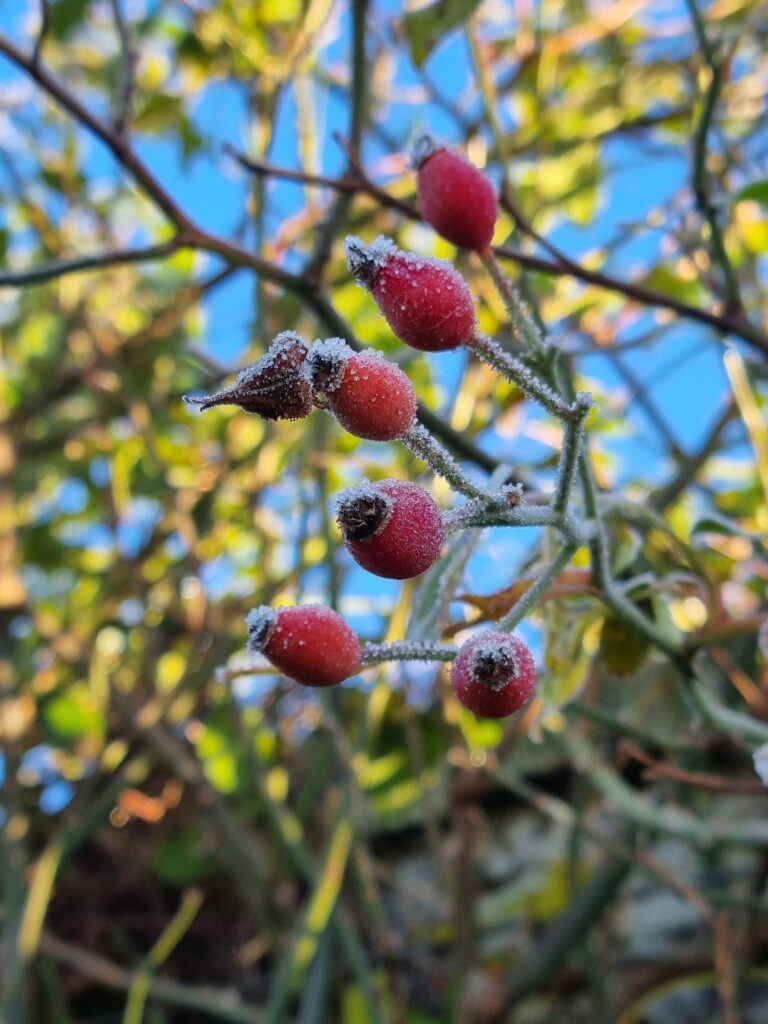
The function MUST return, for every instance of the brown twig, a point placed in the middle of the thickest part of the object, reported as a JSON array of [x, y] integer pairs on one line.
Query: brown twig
[[658, 769]]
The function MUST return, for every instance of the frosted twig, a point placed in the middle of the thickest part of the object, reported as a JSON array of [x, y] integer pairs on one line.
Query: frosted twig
[[417, 439], [522, 321], [571, 451], [516, 371], [407, 650], [477, 515]]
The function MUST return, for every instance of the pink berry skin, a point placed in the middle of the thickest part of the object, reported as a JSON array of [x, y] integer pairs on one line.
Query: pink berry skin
[[457, 200], [404, 527], [374, 399], [425, 301], [311, 644], [493, 674]]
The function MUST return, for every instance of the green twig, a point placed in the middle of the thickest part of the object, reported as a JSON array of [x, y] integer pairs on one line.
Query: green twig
[[172, 935], [531, 598], [708, 210]]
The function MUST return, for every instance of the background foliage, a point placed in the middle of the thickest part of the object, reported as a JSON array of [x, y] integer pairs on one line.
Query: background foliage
[[185, 836]]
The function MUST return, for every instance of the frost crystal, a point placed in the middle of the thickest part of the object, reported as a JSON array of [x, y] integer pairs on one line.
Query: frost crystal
[[365, 261], [261, 622], [362, 512], [493, 662], [325, 362]]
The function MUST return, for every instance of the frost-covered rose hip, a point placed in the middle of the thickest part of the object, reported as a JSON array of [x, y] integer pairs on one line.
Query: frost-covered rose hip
[[425, 301], [277, 387], [455, 197], [371, 397], [493, 674], [391, 528], [311, 643]]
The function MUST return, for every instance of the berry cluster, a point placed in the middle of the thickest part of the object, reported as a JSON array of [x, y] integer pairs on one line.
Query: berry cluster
[[393, 528]]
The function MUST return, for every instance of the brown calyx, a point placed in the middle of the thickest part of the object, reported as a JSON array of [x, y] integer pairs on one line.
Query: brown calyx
[[493, 666], [362, 514], [276, 387]]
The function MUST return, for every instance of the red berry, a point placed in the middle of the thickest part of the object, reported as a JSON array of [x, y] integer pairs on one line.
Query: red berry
[[426, 302], [374, 399], [277, 387], [391, 528], [311, 643], [493, 674], [455, 197]]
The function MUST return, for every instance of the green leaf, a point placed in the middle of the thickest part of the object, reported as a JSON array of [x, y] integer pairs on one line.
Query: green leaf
[[66, 15], [427, 27], [757, 191]]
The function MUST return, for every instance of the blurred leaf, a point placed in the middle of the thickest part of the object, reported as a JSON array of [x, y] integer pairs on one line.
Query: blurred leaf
[[73, 715], [623, 648], [182, 860], [756, 191], [426, 28], [66, 15]]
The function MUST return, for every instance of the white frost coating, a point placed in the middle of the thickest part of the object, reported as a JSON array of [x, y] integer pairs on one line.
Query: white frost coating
[[363, 512], [351, 495], [407, 650], [331, 347], [422, 148], [418, 440], [286, 350], [513, 495], [493, 651], [516, 371], [760, 760], [261, 622], [364, 261], [328, 356]]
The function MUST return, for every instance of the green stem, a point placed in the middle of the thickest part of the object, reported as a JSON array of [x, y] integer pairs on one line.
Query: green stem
[[172, 935], [418, 440], [531, 597], [700, 184], [522, 321], [519, 374], [407, 650]]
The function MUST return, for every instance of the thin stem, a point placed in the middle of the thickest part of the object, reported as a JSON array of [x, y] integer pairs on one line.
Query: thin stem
[[534, 593], [570, 454], [172, 934], [45, 25], [417, 439], [522, 321], [519, 374], [407, 650], [220, 1004], [477, 515], [98, 261], [640, 810], [127, 69], [700, 184]]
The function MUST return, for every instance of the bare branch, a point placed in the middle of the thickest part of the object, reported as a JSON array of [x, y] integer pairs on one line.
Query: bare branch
[[45, 24], [127, 70], [60, 268]]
